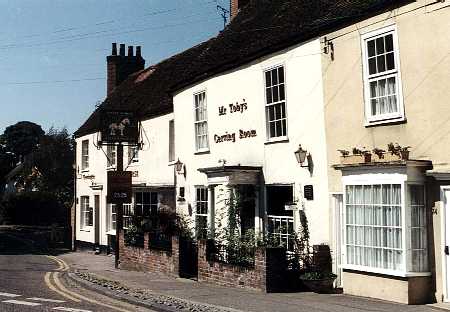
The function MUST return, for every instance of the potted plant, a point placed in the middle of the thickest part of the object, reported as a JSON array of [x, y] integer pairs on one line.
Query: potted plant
[[397, 152], [358, 156], [319, 282]]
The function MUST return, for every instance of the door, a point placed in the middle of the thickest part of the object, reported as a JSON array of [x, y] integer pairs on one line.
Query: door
[[445, 252], [188, 258], [338, 208], [97, 219]]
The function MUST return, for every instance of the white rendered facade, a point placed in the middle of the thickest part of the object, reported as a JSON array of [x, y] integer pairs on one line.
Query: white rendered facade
[[152, 174], [241, 135]]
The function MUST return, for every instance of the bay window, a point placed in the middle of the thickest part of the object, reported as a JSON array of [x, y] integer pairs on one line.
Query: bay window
[[385, 227], [382, 75]]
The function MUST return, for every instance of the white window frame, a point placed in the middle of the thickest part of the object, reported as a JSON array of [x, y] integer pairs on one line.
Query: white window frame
[[266, 105], [133, 154], [171, 140], [202, 215], [111, 156], [85, 211], [203, 121], [377, 179], [85, 155], [111, 216], [367, 78]]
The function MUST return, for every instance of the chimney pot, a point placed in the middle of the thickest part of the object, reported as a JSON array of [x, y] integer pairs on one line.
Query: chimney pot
[[114, 49], [138, 51], [130, 51], [122, 49]]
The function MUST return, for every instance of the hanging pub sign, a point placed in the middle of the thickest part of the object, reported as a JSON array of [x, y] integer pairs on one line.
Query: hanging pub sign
[[119, 127], [119, 187]]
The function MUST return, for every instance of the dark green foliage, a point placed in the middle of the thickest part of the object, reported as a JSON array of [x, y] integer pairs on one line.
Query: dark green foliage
[[55, 158], [34, 208], [134, 236], [22, 138]]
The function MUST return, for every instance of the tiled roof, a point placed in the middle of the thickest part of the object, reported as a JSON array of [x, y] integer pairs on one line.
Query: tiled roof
[[261, 28]]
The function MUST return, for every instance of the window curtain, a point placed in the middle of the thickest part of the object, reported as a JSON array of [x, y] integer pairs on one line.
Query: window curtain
[[373, 226]]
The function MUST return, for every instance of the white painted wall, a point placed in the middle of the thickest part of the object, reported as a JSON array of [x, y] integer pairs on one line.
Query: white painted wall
[[305, 107], [153, 169]]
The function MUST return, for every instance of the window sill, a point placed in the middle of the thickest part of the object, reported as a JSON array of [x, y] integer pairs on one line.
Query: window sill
[[113, 232], [86, 229], [385, 122], [85, 170], [277, 140], [110, 168], [202, 152], [363, 270]]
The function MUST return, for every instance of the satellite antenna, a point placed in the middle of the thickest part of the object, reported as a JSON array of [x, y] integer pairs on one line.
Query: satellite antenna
[[224, 13]]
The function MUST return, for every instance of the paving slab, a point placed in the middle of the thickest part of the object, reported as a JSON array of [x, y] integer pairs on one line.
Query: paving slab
[[239, 299]]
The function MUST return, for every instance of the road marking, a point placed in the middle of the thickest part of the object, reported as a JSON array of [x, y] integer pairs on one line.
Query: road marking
[[46, 300], [9, 295], [62, 266], [47, 277], [70, 309], [22, 302], [58, 283]]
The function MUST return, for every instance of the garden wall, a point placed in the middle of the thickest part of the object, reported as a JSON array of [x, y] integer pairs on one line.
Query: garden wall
[[266, 275], [149, 259]]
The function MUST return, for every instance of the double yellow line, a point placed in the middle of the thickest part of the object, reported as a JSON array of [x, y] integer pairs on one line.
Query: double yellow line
[[52, 281]]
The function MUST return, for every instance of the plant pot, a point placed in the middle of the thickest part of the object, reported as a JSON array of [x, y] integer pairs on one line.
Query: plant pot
[[321, 286], [388, 156], [404, 155], [356, 159]]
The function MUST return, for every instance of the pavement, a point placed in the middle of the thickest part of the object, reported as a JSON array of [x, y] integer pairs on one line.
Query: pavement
[[164, 293]]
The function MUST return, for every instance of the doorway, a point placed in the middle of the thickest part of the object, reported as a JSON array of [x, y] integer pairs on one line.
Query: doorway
[[338, 233], [445, 196], [97, 219]]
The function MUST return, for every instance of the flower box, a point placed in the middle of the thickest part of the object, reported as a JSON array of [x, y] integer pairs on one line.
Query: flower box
[[388, 156], [321, 286], [356, 159]]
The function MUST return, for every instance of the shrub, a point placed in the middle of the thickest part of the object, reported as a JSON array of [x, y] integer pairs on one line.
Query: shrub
[[34, 208]]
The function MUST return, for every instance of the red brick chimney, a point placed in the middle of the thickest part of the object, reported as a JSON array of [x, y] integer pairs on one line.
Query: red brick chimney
[[120, 66], [236, 5]]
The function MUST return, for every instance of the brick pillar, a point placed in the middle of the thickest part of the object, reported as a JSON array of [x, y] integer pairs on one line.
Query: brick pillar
[[260, 269], [201, 260], [236, 5], [176, 256]]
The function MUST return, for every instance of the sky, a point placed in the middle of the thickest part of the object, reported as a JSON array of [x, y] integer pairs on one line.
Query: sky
[[53, 52]]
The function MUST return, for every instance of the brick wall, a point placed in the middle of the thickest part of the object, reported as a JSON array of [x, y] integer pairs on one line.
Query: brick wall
[[266, 275], [149, 260]]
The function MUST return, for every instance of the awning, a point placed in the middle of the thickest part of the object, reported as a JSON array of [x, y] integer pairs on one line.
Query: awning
[[234, 175]]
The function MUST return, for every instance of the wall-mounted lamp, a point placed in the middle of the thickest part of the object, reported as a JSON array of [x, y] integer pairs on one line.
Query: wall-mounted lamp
[[178, 166], [302, 155]]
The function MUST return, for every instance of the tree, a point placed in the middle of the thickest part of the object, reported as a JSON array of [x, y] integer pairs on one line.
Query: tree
[[54, 158], [7, 163], [22, 138]]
